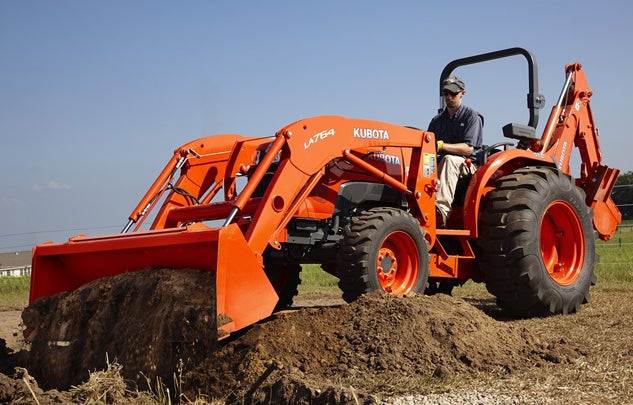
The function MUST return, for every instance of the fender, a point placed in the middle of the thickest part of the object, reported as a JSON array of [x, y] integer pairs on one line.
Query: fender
[[483, 181]]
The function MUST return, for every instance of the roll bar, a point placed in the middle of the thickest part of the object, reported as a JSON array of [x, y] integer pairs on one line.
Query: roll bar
[[535, 101]]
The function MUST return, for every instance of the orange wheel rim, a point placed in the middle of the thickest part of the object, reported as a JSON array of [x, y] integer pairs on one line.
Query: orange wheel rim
[[398, 263], [562, 243]]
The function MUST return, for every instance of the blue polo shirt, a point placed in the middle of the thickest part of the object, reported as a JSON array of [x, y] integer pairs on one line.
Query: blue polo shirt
[[465, 126]]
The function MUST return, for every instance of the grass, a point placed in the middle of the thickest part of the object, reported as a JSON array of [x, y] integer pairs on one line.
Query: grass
[[315, 280], [14, 292], [616, 256]]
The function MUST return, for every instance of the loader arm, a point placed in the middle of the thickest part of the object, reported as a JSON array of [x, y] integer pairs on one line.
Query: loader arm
[[307, 146], [202, 164]]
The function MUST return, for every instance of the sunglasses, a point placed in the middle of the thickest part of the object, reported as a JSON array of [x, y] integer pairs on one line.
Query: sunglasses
[[450, 93]]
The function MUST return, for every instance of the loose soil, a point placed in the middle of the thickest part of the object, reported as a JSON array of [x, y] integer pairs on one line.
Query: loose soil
[[160, 324]]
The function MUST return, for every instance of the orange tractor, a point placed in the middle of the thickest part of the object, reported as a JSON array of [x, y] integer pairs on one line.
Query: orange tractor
[[358, 197]]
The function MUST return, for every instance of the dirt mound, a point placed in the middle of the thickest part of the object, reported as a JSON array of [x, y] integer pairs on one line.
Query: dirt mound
[[150, 321], [368, 345], [20, 388]]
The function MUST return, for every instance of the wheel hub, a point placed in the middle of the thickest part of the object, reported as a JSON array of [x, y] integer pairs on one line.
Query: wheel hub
[[387, 267], [397, 263], [562, 243]]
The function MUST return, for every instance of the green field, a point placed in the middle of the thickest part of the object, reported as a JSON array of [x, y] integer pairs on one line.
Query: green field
[[616, 256]]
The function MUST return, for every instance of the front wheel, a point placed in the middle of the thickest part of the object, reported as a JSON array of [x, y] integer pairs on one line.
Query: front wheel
[[383, 249], [537, 243]]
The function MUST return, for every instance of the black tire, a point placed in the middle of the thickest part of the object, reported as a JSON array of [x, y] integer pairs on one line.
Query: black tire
[[393, 238], [285, 278], [537, 243]]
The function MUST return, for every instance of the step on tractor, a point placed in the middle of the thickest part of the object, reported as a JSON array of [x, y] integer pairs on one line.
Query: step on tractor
[[357, 197]]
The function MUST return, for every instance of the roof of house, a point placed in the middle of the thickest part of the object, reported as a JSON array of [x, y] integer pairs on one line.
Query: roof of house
[[13, 259]]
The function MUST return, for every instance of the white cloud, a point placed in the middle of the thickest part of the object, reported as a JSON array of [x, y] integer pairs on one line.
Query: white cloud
[[51, 185], [10, 202]]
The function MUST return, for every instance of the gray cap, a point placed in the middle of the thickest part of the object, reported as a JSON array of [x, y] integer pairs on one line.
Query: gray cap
[[454, 84]]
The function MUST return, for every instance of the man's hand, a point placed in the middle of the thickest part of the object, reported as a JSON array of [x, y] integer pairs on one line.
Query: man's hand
[[439, 145]]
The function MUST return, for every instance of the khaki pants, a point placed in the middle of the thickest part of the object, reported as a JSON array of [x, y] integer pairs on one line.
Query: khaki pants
[[451, 168]]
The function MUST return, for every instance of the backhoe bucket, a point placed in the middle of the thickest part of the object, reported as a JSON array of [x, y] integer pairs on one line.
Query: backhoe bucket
[[243, 292]]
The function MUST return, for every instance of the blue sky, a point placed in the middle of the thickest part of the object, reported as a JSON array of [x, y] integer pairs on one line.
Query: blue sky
[[95, 95]]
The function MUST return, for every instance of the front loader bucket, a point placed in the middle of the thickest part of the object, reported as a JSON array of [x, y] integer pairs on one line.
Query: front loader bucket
[[243, 293]]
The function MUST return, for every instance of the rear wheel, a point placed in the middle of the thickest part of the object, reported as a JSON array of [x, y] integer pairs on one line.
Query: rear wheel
[[383, 249], [537, 243]]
